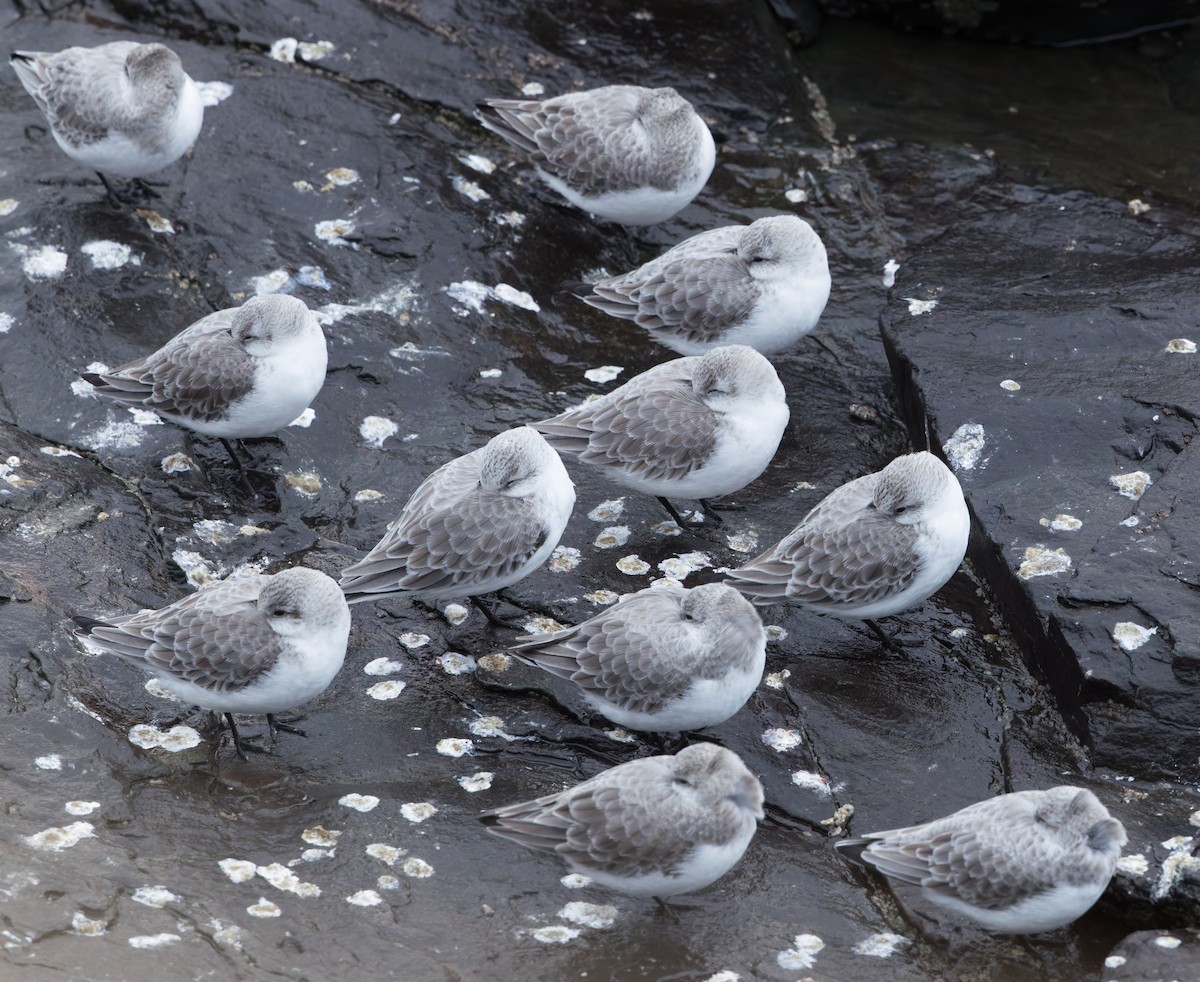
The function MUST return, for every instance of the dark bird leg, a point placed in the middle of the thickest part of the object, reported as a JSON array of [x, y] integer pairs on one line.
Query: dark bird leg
[[238, 745], [713, 509], [112, 194], [143, 189], [889, 641], [666, 910], [491, 615], [238, 464], [676, 517], [277, 726]]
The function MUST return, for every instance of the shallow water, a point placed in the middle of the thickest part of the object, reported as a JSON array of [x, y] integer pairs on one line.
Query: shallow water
[[407, 279]]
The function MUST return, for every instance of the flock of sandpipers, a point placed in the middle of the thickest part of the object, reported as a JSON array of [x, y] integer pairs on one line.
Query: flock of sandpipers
[[697, 427]]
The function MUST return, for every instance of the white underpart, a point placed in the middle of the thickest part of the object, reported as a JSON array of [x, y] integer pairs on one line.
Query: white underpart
[[1042, 912], [286, 380], [706, 703], [643, 206], [705, 864], [747, 439], [117, 155]]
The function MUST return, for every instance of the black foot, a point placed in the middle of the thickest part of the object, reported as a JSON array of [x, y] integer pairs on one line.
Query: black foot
[[113, 197], [278, 726], [889, 640], [678, 519], [491, 616], [142, 189], [238, 743], [238, 464], [666, 910]]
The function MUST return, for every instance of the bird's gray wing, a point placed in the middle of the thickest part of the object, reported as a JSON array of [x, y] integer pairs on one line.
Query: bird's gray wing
[[697, 290], [216, 638], [842, 553], [595, 144], [196, 375], [631, 655], [626, 821], [451, 532], [82, 91], [653, 427]]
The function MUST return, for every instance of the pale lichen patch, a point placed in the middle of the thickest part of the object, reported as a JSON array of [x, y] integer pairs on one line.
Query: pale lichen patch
[[61, 837], [359, 802], [802, 954], [1040, 561], [607, 510], [589, 915], [389, 689], [882, 945], [633, 565], [479, 781], [1131, 636], [455, 746], [605, 373], [964, 449], [612, 537], [1131, 485], [781, 739], [418, 869], [454, 663], [418, 811], [318, 835], [554, 934], [564, 559], [174, 740]]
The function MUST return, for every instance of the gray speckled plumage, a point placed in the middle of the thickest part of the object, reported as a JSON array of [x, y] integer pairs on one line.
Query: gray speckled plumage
[[641, 826], [1021, 862], [872, 547], [88, 92], [696, 427], [462, 531], [194, 638], [240, 372], [655, 426], [603, 140], [763, 284], [229, 635], [674, 290], [842, 552], [195, 375], [122, 108], [649, 649]]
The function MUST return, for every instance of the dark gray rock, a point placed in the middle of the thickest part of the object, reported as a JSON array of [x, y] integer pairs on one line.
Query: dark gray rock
[[1154, 956], [901, 738], [1077, 302]]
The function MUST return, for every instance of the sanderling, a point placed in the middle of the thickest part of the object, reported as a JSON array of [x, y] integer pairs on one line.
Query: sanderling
[[697, 427], [122, 108], [874, 547], [652, 827], [663, 659], [248, 644], [1019, 863], [763, 284], [475, 525], [238, 373], [624, 153]]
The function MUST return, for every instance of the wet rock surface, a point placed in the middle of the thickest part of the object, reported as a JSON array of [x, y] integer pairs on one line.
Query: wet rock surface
[[355, 177], [1060, 378]]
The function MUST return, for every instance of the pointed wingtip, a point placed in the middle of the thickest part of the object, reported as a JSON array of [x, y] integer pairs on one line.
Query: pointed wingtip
[[85, 625]]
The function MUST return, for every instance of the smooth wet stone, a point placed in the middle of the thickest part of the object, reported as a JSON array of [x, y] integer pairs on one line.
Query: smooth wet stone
[[1078, 299], [254, 206]]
